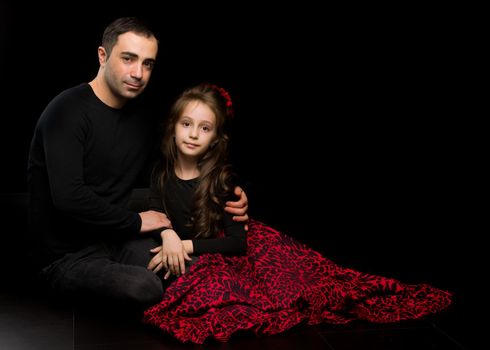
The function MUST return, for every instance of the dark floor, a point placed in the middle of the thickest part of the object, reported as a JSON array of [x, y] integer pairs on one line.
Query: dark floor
[[28, 320]]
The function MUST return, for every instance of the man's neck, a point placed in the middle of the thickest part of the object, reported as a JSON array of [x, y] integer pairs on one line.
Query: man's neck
[[102, 91]]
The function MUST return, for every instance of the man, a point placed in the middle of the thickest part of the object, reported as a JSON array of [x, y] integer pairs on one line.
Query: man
[[89, 148]]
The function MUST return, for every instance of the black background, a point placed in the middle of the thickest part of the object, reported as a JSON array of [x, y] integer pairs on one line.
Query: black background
[[350, 128]]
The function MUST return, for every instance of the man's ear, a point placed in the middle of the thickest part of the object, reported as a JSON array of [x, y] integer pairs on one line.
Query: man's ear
[[102, 54]]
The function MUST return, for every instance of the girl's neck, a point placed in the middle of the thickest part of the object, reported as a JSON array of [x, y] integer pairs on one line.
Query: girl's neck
[[186, 170]]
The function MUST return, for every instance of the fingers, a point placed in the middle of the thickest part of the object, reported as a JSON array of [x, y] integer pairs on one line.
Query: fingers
[[167, 275], [165, 261], [242, 199], [158, 268], [176, 264], [155, 263], [242, 195], [241, 203], [233, 209], [182, 265], [241, 218], [170, 264], [152, 264], [156, 249], [238, 208]]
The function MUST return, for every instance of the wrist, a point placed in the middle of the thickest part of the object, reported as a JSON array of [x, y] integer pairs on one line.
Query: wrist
[[188, 246], [166, 231]]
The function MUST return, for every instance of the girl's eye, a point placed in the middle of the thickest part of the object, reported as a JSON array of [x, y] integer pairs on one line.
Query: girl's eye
[[206, 128]]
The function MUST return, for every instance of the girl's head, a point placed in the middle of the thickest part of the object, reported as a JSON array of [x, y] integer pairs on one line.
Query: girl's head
[[196, 124]]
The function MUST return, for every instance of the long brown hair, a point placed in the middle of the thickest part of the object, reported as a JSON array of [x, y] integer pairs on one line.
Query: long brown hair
[[215, 179]]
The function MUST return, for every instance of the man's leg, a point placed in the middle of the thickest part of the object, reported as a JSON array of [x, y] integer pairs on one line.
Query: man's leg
[[136, 251], [94, 272]]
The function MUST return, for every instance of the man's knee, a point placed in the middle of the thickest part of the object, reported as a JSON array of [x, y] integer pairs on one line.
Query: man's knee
[[137, 251], [146, 290]]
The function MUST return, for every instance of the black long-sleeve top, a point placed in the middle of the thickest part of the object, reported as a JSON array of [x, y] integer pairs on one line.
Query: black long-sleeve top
[[84, 160], [178, 206]]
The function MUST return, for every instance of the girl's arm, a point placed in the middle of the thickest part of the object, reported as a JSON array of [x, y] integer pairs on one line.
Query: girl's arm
[[188, 246], [233, 242]]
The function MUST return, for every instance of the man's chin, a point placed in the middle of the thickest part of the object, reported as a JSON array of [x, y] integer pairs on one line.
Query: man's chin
[[129, 94]]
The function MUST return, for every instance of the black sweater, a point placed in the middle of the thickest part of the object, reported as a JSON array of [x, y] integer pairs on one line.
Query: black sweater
[[84, 160], [178, 202]]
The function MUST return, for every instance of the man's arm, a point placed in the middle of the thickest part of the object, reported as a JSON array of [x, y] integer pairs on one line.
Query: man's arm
[[64, 141]]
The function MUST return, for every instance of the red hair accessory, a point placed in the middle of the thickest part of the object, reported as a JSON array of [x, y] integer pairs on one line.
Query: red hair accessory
[[226, 96]]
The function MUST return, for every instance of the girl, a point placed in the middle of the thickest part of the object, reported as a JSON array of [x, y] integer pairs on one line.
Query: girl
[[261, 280], [194, 180]]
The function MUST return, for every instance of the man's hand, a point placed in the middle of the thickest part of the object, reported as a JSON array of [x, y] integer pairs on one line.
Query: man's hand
[[153, 220], [238, 208]]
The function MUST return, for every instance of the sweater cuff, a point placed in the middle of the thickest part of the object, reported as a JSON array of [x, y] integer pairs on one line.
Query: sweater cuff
[[136, 226]]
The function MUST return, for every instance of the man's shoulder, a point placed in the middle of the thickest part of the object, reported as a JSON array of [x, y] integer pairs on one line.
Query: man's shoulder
[[68, 102], [75, 92]]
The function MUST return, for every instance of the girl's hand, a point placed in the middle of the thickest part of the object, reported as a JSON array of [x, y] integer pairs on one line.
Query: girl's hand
[[171, 256]]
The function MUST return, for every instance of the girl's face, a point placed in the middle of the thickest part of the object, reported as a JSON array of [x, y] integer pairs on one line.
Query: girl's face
[[195, 130]]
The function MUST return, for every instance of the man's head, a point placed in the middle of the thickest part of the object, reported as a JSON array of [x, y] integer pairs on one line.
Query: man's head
[[127, 56], [120, 26]]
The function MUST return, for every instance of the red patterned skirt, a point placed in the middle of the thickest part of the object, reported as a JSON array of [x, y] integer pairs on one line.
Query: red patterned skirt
[[278, 284]]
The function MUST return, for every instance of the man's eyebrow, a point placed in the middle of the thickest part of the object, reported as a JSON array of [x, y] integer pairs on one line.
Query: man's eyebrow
[[133, 55], [129, 53]]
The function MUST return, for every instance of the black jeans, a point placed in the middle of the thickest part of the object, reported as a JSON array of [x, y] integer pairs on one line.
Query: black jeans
[[114, 272]]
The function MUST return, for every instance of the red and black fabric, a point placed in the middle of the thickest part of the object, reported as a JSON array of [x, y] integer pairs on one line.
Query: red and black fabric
[[278, 284]]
